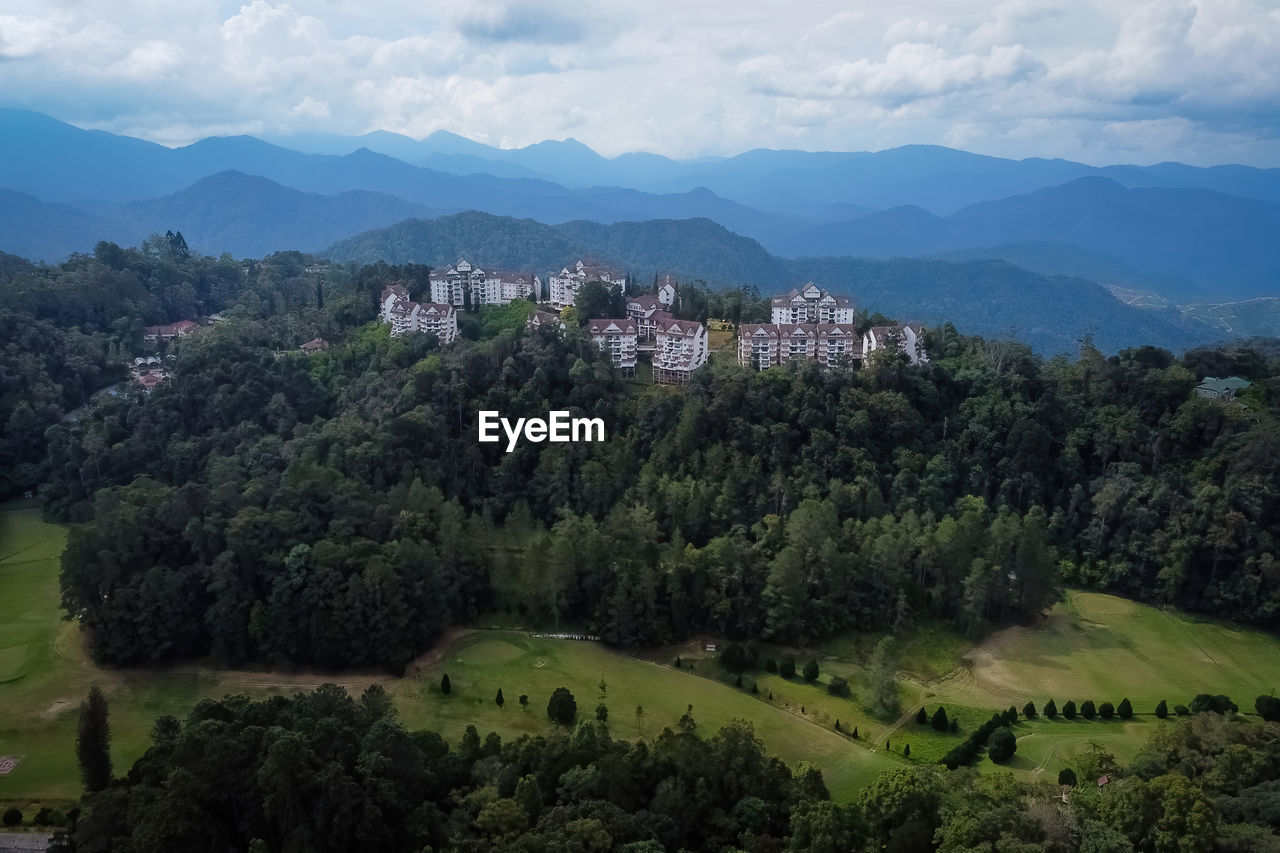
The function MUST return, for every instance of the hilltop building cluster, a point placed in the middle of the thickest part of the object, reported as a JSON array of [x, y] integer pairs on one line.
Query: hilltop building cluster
[[808, 323]]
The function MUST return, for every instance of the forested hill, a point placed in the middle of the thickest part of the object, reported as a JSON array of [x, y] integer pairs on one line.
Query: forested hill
[[989, 298]]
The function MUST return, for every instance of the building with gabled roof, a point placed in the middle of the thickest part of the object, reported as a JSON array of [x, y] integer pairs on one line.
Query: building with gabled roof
[[1213, 388], [563, 287], [406, 316], [619, 337], [908, 337], [680, 347], [168, 331], [463, 280], [811, 304]]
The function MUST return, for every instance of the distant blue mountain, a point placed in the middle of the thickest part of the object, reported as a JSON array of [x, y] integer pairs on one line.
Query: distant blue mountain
[[1221, 244]]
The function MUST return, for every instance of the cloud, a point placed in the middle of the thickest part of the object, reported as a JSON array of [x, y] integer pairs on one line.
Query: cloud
[[1134, 80]]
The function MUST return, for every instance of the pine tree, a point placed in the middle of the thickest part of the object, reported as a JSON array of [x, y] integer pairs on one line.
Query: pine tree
[[1051, 709], [499, 698], [922, 716], [738, 681], [837, 724], [93, 743], [445, 687], [1088, 710], [1162, 710], [940, 719], [855, 732], [1125, 709], [906, 751], [677, 661], [1029, 710]]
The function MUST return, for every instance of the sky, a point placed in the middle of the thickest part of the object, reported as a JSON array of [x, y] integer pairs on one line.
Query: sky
[[1115, 82]]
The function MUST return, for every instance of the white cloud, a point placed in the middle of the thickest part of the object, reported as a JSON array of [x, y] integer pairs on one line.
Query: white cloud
[[1143, 80]]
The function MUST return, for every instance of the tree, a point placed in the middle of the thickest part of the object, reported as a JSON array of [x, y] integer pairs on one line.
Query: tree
[[1067, 776], [770, 665], [602, 712], [498, 699], [445, 687], [1029, 710], [1088, 710], [906, 751], [811, 671], [677, 661], [1106, 710], [737, 682], [1069, 709], [838, 686], [93, 742], [787, 669], [1125, 709], [562, 707], [1003, 746], [922, 716], [884, 676], [939, 720], [1268, 707], [1051, 709], [524, 701], [12, 817], [1162, 709]]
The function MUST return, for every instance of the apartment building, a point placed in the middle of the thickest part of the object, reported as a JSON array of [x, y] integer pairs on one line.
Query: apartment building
[[811, 304], [486, 287], [620, 339], [407, 316], [908, 337], [680, 347], [563, 287]]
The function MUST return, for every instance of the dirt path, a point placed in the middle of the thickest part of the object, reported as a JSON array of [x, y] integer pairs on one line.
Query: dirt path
[[907, 717]]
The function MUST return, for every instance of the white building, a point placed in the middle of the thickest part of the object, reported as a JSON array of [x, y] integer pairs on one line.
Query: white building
[[765, 345], [619, 338], [487, 287], [539, 319], [811, 304], [667, 292], [646, 311], [564, 285], [908, 337], [680, 349], [407, 316]]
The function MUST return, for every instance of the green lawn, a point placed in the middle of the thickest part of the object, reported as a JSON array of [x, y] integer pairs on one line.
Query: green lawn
[[1100, 647], [1092, 646], [480, 663]]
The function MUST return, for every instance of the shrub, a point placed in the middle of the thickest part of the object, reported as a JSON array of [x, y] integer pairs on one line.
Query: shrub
[[1088, 710], [1069, 710], [1106, 710], [1003, 746], [1051, 710], [1219, 704], [811, 671], [524, 701], [839, 686], [922, 716], [955, 725], [737, 682], [498, 700], [1162, 710], [855, 732], [1012, 714], [1029, 710], [771, 665], [445, 686], [1125, 709], [787, 669], [1067, 776], [1268, 707], [906, 751], [677, 661], [561, 707], [1181, 710], [602, 713], [12, 817], [939, 720]]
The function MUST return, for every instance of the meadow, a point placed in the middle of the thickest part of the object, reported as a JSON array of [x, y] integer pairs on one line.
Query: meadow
[[1090, 646]]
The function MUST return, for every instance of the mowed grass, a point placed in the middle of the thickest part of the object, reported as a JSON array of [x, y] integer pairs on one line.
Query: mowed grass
[[1100, 647], [480, 663]]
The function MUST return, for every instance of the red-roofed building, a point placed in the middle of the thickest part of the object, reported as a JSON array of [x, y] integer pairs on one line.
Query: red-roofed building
[[168, 332], [619, 337]]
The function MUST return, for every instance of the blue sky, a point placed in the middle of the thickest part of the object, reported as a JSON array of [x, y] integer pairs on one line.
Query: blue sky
[[1136, 82]]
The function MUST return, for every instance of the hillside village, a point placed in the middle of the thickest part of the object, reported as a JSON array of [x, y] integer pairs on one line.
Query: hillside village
[[808, 323]]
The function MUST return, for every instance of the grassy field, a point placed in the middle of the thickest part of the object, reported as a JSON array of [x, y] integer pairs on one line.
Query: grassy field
[[1091, 646]]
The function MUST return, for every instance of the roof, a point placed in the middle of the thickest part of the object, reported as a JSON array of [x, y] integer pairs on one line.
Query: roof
[[1222, 386], [680, 327], [612, 325], [315, 344]]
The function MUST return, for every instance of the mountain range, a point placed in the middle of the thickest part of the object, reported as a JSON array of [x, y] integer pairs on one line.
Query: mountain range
[[1183, 232]]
